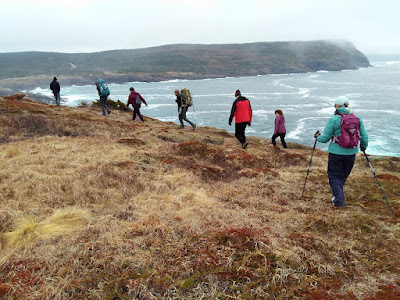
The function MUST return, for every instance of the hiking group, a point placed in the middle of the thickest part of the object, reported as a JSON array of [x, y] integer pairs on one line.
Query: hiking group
[[344, 130]]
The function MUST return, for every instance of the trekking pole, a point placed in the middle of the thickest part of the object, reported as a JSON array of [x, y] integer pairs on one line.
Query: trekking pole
[[373, 172], [309, 165]]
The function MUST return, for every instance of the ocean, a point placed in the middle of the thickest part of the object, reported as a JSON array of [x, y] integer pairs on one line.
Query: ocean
[[306, 100]]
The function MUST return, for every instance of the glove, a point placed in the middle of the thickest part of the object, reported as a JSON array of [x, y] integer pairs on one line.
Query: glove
[[317, 134], [363, 149], [249, 124], [230, 123]]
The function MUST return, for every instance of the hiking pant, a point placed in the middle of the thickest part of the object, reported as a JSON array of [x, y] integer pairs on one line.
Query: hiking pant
[[182, 116], [57, 97], [282, 136], [239, 132], [136, 110], [339, 168], [104, 107]]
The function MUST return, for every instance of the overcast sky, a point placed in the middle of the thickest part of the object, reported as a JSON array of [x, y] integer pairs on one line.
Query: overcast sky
[[97, 25]]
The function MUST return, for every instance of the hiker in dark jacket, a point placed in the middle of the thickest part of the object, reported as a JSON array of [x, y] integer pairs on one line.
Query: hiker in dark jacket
[[280, 129], [341, 160], [136, 100], [103, 101], [182, 109], [55, 87], [241, 111]]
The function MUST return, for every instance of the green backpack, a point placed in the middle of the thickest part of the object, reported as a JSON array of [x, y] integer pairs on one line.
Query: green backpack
[[187, 97]]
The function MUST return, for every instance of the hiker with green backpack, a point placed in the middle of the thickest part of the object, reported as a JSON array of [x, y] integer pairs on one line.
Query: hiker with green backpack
[[184, 101], [104, 92]]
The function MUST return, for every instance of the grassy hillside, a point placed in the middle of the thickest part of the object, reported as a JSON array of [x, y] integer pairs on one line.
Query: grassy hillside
[[97, 207], [182, 61]]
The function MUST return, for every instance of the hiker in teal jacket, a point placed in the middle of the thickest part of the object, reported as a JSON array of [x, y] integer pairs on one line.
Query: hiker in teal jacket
[[341, 160]]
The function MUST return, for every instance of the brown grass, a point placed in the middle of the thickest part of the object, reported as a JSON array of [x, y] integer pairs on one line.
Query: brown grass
[[97, 207]]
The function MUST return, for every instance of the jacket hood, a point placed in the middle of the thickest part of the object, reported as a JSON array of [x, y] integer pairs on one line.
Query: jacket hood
[[241, 98], [342, 110]]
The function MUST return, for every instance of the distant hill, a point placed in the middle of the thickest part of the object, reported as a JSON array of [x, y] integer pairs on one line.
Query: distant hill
[[185, 61]]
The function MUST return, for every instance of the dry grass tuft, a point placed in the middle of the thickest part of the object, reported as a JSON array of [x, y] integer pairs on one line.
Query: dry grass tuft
[[12, 152], [62, 222]]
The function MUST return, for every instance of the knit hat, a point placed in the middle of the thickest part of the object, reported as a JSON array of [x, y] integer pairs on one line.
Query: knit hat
[[237, 93], [342, 101]]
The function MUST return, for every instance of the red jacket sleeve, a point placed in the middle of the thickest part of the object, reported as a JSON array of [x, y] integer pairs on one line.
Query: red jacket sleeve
[[250, 112]]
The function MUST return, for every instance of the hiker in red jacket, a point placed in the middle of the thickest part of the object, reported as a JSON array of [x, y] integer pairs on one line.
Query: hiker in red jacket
[[136, 100], [280, 129], [241, 110]]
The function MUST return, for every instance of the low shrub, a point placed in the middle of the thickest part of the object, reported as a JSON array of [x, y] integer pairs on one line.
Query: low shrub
[[113, 105]]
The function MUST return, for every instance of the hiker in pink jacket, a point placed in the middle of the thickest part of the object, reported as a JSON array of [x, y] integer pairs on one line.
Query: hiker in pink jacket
[[280, 129]]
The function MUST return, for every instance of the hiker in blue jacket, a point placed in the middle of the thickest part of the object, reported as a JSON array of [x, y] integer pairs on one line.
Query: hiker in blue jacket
[[103, 101], [341, 160]]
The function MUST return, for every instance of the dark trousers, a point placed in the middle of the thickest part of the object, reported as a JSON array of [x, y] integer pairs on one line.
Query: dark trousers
[[104, 107], [136, 110], [57, 97], [339, 168], [182, 116], [239, 132], [282, 136]]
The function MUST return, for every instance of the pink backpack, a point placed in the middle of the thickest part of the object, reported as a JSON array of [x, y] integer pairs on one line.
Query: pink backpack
[[350, 126]]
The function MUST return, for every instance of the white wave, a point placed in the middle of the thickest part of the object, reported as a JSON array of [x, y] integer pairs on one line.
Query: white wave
[[269, 94], [379, 111], [323, 71], [158, 105], [176, 80], [298, 106], [262, 112], [279, 83], [304, 92], [379, 146], [301, 125], [157, 96], [220, 104], [74, 98], [214, 95], [39, 90], [168, 119], [393, 62], [209, 113], [326, 111]]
